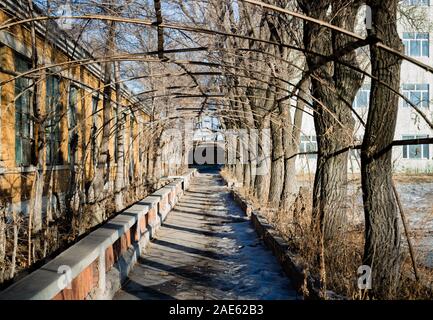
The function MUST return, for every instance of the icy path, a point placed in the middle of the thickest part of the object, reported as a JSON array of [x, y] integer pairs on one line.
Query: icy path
[[207, 249]]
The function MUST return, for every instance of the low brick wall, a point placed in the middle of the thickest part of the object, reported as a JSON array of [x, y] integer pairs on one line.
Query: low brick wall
[[96, 266]]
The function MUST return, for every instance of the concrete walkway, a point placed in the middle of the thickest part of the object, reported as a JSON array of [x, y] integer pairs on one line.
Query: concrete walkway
[[207, 249]]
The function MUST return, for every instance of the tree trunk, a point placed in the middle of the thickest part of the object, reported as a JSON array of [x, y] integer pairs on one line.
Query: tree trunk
[[334, 93], [2, 243], [250, 162], [246, 168], [103, 164], [252, 155], [382, 235], [15, 247], [156, 151], [151, 155], [291, 138], [120, 134], [277, 167], [239, 168], [264, 162], [35, 207], [330, 184]]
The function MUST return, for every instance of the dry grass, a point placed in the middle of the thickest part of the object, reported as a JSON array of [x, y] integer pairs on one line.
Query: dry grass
[[341, 258], [398, 177]]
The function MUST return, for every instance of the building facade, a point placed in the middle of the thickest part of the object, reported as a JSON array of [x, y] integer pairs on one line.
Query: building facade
[[416, 85], [69, 99]]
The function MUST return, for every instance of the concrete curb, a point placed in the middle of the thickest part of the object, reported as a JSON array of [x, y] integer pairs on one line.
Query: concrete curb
[[96, 266], [290, 262]]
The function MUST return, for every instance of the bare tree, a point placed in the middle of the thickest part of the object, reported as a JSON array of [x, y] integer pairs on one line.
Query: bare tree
[[382, 234], [334, 86]]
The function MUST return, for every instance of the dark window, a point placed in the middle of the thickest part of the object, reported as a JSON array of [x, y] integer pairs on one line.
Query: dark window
[[132, 138], [418, 94], [72, 124], [116, 127], [53, 130], [131, 147], [94, 131], [419, 151], [24, 136], [416, 44]]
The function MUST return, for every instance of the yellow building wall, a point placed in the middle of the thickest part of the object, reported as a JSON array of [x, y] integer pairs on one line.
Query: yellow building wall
[[15, 181]]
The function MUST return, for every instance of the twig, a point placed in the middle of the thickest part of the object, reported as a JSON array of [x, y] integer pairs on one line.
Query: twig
[[406, 230]]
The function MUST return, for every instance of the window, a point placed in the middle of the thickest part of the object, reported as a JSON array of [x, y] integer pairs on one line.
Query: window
[[54, 109], [72, 124], [418, 94], [24, 136], [131, 147], [140, 144], [308, 144], [116, 138], [362, 99], [419, 151], [95, 101], [416, 44], [132, 138], [416, 2]]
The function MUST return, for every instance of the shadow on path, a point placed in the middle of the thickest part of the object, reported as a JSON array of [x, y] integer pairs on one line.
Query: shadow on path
[[207, 249]]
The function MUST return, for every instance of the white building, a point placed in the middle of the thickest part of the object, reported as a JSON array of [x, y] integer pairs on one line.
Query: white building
[[416, 85]]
